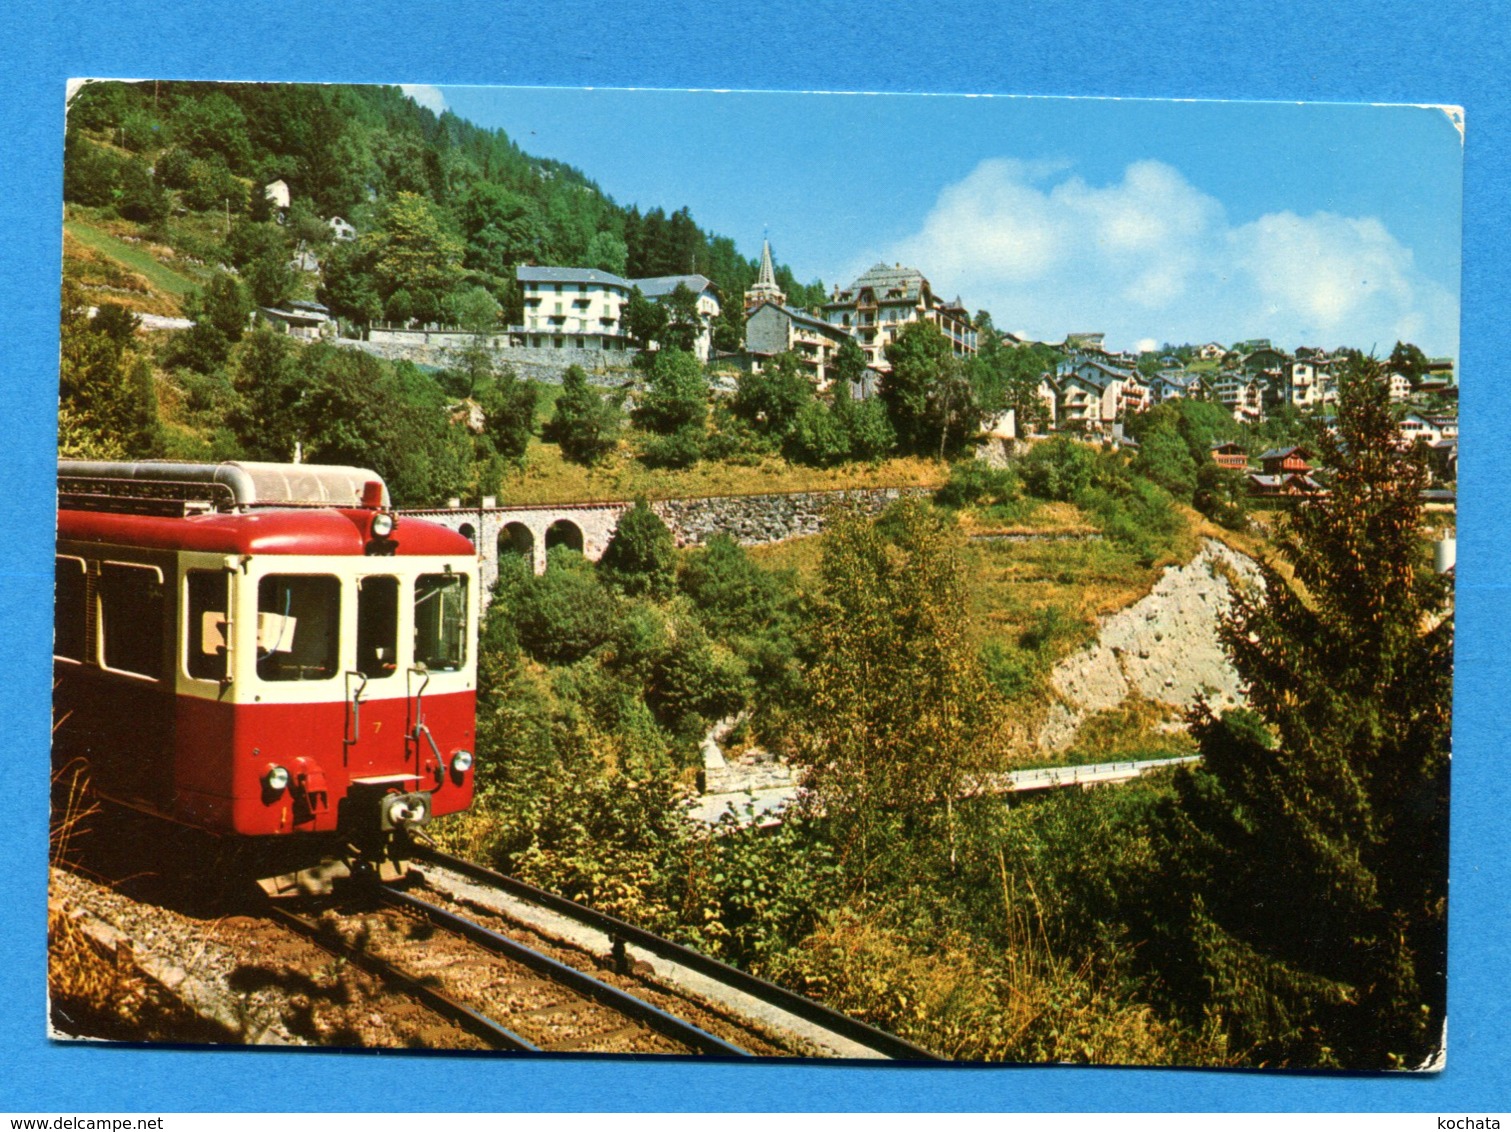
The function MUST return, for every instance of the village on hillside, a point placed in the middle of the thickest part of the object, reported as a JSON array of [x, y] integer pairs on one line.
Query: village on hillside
[[575, 315]]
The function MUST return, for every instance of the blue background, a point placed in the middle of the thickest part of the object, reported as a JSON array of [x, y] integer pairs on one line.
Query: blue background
[[1352, 50]]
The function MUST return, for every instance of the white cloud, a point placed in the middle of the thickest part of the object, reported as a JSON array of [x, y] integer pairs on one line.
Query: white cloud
[[1152, 257], [1146, 346], [429, 97]]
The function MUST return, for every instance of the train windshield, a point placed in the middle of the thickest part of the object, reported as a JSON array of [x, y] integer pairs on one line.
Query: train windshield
[[298, 619], [440, 621], [377, 626]]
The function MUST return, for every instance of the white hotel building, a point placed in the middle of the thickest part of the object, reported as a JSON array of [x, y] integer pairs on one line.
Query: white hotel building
[[583, 308]]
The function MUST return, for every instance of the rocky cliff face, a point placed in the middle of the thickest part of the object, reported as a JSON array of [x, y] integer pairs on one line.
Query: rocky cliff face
[[1164, 648]]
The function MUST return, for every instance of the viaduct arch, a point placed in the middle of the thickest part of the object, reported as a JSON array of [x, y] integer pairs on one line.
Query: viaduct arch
[[528, 531]]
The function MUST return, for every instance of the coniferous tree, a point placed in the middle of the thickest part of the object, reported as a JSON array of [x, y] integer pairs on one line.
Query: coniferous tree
[[1312, 842], [587, 423], [641, 557]]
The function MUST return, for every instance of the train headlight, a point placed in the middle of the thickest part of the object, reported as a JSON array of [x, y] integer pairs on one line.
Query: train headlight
[[277, 778], [382, 525], [461, 761]]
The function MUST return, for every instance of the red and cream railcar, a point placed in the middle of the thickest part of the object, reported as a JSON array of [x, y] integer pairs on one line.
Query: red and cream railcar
[[263, 649]]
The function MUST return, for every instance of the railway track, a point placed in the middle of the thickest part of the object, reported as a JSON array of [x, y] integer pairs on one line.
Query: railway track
[[511, 996], [828, 1031]]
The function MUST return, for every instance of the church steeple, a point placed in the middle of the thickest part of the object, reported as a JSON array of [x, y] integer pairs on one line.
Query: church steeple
[[765, 289]]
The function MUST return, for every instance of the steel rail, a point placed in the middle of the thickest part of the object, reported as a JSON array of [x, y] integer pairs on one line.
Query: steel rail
[[889, 1045], [614, 998], [478, 1024]]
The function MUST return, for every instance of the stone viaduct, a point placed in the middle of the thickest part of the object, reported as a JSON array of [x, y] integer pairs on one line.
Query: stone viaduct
[[532, 529]]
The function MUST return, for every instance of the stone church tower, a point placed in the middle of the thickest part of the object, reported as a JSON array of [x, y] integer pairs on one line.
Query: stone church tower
[[765, 289]]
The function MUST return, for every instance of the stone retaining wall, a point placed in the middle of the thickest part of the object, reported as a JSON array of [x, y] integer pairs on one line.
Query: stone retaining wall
[[754, 519], [603, 367]]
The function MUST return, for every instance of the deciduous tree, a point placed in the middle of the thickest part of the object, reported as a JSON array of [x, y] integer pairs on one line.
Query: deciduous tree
[[413, 251], [929, 400], [896, 714], [772, 397]]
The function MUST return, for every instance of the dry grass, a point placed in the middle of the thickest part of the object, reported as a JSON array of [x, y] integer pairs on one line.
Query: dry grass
[[1018, 998], [135, 270], [1135, 729], [105, 280], [547, 478]]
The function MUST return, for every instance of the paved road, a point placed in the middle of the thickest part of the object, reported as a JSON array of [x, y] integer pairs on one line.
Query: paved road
[[765, 806]]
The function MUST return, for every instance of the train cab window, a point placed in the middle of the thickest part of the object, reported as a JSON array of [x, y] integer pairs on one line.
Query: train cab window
[[131, 618], [440, 621], [377, 626], [298, 627], [208, 592], [70, 626]]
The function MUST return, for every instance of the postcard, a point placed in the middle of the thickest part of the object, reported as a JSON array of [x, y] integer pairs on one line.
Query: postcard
[[718, 574]]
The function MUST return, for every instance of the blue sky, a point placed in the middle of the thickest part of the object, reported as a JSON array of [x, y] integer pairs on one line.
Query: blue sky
[[1317, 224]]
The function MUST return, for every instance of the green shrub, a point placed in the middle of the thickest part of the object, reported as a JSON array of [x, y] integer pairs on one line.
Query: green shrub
[[586, 424], [975, 482], [818, 436], [676, 395], [564, 614], [1221, 497], [682, 449], [772, 399], [734, 595], [641, 557], [1057, 469], [871, 434], [694, 682]]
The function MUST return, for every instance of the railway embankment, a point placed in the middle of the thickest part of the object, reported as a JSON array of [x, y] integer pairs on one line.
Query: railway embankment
[[1163, 648]]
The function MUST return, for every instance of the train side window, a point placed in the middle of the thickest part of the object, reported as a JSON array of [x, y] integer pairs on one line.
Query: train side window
[[131, 618], [208, 593], [440, 621], [298, 627], [377, 626], [70, 625]]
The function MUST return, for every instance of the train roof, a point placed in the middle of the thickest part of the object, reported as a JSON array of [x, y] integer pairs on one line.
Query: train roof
[[323, 531], [228, 485]]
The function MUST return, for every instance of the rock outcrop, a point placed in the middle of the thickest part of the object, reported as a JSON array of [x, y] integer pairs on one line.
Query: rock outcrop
[[1164, 648]]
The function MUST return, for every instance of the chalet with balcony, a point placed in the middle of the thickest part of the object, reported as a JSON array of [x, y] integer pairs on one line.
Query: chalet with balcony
[[1295, 460], [1230, 455]]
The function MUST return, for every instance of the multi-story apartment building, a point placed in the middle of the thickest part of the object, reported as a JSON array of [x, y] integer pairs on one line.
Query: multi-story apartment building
[[881, 302], [1241, 394], [583, 307], [573, 306], [1298, 385]]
